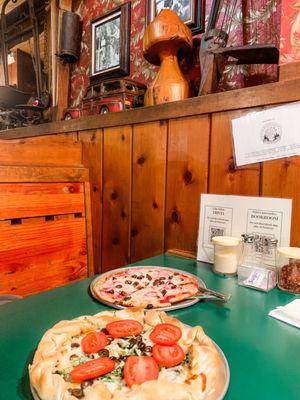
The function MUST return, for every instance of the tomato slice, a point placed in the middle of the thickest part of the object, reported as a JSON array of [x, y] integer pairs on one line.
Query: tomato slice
[[92, 369], [93, 342], [168, 356], [124, 327], [165, 334], [139, 369]]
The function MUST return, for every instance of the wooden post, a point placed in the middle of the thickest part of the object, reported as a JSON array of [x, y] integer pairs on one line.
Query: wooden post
[[63, 70]]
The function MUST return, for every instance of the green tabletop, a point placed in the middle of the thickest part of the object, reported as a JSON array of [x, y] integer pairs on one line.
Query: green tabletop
[[263, 353]]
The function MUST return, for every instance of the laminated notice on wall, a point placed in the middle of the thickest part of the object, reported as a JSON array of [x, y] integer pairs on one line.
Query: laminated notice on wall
[[223, 215], [267, 135]]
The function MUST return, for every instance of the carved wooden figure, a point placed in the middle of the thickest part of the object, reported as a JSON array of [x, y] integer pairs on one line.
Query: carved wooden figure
[[163, 39]]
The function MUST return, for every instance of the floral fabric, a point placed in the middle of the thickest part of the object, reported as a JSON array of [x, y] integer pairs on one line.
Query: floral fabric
[[255, 21]]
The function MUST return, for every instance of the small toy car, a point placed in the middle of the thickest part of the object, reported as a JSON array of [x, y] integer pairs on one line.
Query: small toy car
[[107, 96]]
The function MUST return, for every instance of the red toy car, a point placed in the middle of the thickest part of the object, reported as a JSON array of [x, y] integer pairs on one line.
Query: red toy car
[[108, 96]]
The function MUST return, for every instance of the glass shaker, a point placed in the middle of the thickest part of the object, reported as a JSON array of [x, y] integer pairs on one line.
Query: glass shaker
[[257, 269], [288, 263]]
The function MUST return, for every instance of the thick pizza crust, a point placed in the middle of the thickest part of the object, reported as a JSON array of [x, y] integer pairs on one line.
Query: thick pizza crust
[[205, 359]]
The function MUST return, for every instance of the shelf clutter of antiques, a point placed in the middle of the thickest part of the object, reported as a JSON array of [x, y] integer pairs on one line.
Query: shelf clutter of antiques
[[257, 262]]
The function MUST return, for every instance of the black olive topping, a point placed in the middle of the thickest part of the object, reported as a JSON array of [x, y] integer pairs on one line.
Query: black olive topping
[[118, 286], [111, 291], [76, 393], [163, 292], [103, 353], [149, 277], [148, 349], [135, 284], [127, 298], [149, 306], [128, 282], [73, 345], [105, 331]]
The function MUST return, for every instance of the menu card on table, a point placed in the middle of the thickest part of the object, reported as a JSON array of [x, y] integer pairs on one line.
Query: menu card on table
[[224, 215]]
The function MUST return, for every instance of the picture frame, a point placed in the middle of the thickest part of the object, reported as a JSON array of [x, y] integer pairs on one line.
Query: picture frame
[[110, 44], [192, 12]]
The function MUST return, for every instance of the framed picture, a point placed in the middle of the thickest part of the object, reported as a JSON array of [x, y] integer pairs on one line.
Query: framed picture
[[192, 12], [110, 44]]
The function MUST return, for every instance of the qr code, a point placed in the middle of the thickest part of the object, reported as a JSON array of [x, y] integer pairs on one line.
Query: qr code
[[213, 231]]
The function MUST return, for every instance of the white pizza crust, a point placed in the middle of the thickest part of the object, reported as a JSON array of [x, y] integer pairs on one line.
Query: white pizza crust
[[53, 354]]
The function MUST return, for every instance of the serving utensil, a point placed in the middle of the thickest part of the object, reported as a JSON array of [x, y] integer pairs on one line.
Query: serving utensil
[[208, 294]]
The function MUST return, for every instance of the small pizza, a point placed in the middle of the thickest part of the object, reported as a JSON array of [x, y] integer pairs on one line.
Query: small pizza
[[148, 287], [127, 355]]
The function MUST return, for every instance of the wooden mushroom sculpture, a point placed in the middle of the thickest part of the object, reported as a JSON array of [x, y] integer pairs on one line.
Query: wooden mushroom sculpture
[[163, 38]]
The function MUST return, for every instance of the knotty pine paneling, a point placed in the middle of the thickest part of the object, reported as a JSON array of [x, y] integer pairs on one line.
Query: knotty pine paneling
[[187, 178], [92, 158], [148, 189], [117, 167], [224, 177], [281, 178], [25, 200], [58, 150], [39, 255]]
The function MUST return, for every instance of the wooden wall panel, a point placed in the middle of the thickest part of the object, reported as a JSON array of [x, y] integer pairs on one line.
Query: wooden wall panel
[[31, 199], [187, 178], [41, 255], [116, 197], [281, 178], [53, 150], [224, 177], [92, 158], [148, 189]]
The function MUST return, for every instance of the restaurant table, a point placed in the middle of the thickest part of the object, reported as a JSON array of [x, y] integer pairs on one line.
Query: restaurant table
[[263, 353]]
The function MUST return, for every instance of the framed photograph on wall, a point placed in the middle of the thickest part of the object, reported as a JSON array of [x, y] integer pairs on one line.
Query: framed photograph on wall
[[192, 12], [110, 44]]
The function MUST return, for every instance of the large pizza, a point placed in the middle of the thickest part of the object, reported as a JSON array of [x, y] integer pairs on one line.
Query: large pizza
[[148, 287], [126, 355]]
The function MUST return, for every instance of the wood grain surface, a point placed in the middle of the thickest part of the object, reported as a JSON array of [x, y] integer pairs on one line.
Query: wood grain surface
[[26, 200], [148, 189], [116, 197], [187, 178], [41, 255], [224, 177]]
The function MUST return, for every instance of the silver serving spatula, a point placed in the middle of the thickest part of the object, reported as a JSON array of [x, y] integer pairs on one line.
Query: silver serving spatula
[[208, 294]]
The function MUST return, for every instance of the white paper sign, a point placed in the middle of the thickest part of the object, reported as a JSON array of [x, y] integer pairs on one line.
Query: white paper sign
[[223, 215], [267, 135]]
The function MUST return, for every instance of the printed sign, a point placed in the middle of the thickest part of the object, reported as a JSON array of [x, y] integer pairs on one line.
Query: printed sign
[[222, 215]]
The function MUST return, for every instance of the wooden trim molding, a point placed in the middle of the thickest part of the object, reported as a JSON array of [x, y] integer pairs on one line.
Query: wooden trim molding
[[10, 174], [264, 95]]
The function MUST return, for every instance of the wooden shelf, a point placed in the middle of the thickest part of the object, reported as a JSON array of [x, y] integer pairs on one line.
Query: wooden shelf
[[264, 95]]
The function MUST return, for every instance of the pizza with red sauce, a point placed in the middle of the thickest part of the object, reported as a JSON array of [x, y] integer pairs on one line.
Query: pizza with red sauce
[[147, 287], [127, 355]]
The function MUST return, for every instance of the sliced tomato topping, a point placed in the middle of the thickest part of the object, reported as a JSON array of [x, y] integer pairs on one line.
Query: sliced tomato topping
[[139, 369], [92, 369], [165, 334], [93, 342], [168, 356], [124, 327]]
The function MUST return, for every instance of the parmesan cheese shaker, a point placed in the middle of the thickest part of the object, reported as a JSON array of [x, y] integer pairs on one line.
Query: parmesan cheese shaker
[[227, 251]]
